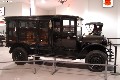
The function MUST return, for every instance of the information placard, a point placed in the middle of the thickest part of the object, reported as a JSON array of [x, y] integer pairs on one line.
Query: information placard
[[107, 3]]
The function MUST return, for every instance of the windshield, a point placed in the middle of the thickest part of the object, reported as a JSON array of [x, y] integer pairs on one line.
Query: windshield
[[93, 28], [88, 29]]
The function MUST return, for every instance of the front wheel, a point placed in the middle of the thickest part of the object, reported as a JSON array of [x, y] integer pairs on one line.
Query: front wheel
[[96, 57], [19, 54]]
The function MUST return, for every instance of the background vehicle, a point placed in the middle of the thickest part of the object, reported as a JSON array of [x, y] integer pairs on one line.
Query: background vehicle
[[2, 38], [53, 35]]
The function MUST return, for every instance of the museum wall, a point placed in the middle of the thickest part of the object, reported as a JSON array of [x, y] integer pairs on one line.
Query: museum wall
[[73, 7], [39, 11], [52, 12], [19, 9], [92, 11], [108, 16], [25, 9], [12, 9], [118, 30]]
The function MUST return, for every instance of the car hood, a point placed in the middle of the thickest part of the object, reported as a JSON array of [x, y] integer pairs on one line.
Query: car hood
[[93, 38]]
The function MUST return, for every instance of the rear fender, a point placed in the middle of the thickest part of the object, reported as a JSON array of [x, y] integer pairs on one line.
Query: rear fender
[[25, 46]]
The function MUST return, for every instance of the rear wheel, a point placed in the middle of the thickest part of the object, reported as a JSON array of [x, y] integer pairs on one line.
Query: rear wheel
[[37, 58], [19, 54], [96, 57]]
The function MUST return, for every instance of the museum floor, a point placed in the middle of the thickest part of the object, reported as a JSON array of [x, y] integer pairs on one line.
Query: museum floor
[[44, 72]]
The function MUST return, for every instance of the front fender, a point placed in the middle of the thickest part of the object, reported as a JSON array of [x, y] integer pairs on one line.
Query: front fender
[[90, 47]]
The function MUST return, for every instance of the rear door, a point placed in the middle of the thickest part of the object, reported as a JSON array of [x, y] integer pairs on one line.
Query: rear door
[[43, 31]]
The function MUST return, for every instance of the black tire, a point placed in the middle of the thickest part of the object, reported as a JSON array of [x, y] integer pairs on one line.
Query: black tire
[[19, 54], [96, 57], [37, 58]]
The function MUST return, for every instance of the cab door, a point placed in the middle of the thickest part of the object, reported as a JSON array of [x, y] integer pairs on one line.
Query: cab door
[[68, 37], [64, 33], [64, 36]]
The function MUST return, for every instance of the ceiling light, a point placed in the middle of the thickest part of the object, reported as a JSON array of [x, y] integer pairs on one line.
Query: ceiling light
[[43, 1], [62, 1], [7, 1]]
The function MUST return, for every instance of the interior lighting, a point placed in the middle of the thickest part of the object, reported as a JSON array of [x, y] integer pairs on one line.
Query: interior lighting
[[7, 1], [43, 1]]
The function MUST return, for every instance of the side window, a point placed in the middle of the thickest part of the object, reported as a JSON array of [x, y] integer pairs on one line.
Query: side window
[[79, 27], [12, 29], [27, 24], [23, 24], [31, 24], [72, 23], [57, 26], [72, 26], [43, 24], [12, 24], [68, 26], [66, 23]]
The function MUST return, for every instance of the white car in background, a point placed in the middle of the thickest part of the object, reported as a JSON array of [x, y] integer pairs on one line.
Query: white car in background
[[2, 39]]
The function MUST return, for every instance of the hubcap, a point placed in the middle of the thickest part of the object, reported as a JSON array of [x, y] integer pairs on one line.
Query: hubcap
[[96, 59]]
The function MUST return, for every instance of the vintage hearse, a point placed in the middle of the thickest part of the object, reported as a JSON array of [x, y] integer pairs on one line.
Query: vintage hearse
[[55, 36]]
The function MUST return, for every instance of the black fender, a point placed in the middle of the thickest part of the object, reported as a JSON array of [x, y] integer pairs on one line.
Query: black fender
[[90, 47], [23, 45]]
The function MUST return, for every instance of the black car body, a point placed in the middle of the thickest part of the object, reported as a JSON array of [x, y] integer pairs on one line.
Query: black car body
[[53, 35]]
